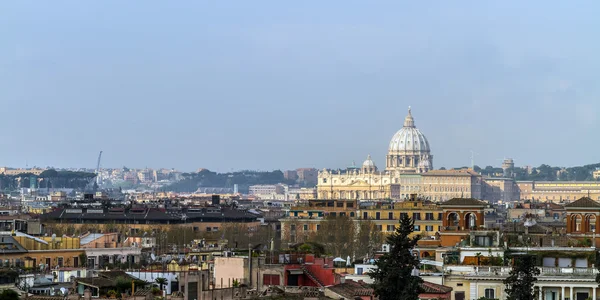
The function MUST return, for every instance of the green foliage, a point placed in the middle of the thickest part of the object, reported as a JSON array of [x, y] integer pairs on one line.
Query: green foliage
[[9, 294], [310, 247], [156, 291], [112, 294], [235, 283], [520, 281], [393, 276], [161, 281], [205, 178], [83, 259]]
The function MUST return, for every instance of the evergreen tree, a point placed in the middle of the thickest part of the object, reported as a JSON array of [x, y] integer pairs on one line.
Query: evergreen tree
[[519, 283], [393, 276]]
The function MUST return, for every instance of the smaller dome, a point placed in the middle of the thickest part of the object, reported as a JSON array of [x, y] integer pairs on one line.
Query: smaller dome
[[368, 163]]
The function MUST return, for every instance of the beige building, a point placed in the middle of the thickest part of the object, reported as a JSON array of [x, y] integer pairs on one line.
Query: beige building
[[557, 191], [596, 174], [443, 185], [499, 189], [13, 172]]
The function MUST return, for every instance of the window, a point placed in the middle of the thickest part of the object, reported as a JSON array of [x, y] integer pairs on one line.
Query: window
[[305, 227], [402, 215], [352, 214], [292, 227], [391, 228], [489, 293], [429, 228], [365, 215], [428, 216], [416, 216], [318, 227], [60, 261], [377, 215], [342, 214], [359, 271], [390, 215], [340, 204], [332, 214], [378, 227], [417, 228]]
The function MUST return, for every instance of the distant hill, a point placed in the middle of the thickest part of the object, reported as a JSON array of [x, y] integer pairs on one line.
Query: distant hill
[[205, 178], [545, 172]]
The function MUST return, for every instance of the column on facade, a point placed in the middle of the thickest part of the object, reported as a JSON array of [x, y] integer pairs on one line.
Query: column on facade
[[562, 293], [571, 293], [540, 292], [594, 293]]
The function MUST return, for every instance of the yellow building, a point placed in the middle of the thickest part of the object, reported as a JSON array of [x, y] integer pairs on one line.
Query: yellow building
[[427, 216], [302, 222]]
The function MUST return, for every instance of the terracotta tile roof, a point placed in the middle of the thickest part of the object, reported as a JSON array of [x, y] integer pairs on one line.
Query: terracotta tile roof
[[464, 201], [463, 172], [583, 202], [96, 282], [351, 289], [432, 288]]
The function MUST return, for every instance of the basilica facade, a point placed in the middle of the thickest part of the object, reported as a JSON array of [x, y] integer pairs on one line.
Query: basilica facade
[[409, 155]]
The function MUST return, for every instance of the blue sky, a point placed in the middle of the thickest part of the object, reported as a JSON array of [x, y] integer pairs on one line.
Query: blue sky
[[285, 84]]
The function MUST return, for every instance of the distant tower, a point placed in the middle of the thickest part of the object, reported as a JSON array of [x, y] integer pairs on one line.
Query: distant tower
[[508, 165]]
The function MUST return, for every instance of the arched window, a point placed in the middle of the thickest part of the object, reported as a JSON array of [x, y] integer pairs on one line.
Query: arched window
[[577, 220], [453, 219], [470, 220], [591, 223]]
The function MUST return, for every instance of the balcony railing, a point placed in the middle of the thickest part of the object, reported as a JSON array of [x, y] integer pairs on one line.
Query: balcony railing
[[504, 271]]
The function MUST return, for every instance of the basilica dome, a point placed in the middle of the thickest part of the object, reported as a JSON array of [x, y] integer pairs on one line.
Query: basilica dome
[[409, 149], [368, 162], [409, 138]]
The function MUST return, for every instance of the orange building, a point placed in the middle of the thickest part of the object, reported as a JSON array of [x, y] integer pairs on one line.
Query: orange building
[[583, 219], [460, 216]]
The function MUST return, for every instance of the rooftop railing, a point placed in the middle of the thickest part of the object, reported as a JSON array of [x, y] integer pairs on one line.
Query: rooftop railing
[[504, 271]]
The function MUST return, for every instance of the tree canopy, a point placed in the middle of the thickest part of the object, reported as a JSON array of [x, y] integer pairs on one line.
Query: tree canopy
[[520, 281], [394, 279], [205, 178]]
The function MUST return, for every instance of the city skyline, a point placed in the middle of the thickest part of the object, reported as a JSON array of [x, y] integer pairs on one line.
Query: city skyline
[[280, 86]]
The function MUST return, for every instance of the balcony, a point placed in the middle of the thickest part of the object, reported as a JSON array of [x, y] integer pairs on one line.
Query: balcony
[[504, 271]]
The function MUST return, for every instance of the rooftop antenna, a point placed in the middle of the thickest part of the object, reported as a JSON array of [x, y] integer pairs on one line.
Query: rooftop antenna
[[473, 153]]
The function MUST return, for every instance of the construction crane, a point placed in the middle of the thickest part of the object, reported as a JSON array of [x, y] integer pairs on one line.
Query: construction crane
[[98, 179]]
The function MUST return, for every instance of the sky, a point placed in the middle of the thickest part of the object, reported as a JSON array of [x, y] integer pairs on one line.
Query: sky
[[263, 85]]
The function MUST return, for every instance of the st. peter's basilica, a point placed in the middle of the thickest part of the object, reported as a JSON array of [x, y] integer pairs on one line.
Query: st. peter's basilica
[[409, 155]]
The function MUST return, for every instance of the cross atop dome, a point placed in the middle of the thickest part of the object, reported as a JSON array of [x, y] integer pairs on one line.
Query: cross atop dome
[[409, 121]]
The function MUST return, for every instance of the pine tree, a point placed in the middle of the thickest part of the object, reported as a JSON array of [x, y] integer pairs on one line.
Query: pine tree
[[393, 276], [519, 283]]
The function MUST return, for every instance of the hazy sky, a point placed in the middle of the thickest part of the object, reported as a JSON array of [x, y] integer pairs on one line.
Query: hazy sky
[[285, 84]]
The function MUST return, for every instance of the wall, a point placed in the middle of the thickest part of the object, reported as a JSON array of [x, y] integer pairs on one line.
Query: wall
[[229, 269]]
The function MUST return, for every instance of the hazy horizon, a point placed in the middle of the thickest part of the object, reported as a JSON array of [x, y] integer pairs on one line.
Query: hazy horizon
[[281, 85]]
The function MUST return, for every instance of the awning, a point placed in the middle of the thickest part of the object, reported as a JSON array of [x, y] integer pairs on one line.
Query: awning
[[296, 272]]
